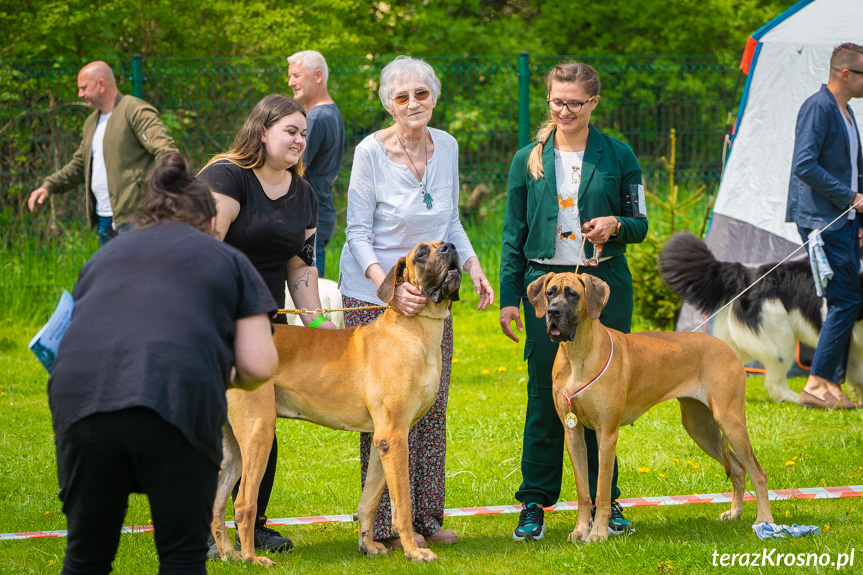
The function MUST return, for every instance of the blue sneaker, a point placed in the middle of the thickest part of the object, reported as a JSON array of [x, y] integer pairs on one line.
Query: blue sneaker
[[617, 523], [530, 523]]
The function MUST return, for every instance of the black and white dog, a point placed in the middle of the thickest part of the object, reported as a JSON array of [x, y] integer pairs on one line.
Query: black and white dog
[[768, 320]]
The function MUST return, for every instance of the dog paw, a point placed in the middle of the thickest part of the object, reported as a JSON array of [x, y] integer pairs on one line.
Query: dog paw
[[597, 536], [731, 514], [263, 561], [578, 535], [421, 555], [373, 549]]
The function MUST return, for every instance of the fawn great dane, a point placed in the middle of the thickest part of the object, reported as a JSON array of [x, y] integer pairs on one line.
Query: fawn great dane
[[606, 379], [380, 377]]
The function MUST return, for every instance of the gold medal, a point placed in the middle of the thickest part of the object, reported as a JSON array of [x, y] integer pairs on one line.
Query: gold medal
[[570, 420]]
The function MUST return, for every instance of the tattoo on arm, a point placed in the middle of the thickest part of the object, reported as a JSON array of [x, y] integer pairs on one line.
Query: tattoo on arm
[[302, 279]]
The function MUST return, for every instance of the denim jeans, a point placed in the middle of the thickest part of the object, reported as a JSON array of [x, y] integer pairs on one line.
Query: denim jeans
[[105, 229], [844, 301]]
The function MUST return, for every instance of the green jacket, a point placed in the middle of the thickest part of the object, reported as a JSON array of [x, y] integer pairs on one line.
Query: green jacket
[[608, 171], [135, 139]]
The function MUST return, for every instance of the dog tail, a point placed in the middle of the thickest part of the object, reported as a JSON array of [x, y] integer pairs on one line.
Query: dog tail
[[726, 456], [689, 269]]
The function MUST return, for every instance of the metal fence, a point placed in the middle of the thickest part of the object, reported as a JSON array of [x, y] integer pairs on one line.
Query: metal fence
[[490, 104]]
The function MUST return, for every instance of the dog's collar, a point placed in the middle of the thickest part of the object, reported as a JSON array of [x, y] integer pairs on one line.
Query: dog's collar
[[584, 387]]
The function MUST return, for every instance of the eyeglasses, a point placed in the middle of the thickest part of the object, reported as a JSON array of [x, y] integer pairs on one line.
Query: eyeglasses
[[420, 95], [849, 69], [574, 106]]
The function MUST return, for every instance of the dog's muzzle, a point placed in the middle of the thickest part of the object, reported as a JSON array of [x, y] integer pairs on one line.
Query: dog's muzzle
[[451, 280], [555, 324]]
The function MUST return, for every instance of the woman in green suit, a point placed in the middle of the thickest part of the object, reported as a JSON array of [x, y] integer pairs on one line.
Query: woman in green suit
[[572, 182]]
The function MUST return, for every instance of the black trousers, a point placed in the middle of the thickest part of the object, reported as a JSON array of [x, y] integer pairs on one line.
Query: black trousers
[[103, 458]]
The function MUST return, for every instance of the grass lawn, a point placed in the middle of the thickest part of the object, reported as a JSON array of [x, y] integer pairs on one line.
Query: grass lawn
[[319, 474]]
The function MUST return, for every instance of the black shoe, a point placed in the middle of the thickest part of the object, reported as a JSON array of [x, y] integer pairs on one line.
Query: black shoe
[[269, 539], [617, 523], [530, 523], [213, 551]]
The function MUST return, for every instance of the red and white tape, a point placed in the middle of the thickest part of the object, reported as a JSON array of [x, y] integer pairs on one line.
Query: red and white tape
[[773, 495]]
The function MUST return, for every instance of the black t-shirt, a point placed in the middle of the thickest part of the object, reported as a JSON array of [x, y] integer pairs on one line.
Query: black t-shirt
[[270, 232], [153, 326]]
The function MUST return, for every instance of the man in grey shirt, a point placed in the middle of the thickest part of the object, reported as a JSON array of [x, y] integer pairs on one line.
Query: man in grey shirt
[[325, 141]]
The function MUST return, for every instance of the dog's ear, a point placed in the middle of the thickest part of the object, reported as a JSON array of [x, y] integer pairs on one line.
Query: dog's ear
[[536, 294], [392, 281], [596, 294]]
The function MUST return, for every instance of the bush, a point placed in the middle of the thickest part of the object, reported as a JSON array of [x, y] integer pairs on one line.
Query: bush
[[669, 210]]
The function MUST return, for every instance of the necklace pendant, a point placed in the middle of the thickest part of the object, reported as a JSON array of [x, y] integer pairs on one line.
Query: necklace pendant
[[428, 200], [570, 420]]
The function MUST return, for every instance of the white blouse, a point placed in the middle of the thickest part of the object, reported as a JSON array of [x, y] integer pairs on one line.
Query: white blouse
[[387, 216]]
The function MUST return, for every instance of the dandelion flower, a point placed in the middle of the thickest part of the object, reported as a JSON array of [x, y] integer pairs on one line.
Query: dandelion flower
[[455, 360], [790, 463], [485, 371], [644, 470]]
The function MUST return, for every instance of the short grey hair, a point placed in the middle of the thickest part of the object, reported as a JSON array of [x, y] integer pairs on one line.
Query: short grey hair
[[401, 69], [311, 60]]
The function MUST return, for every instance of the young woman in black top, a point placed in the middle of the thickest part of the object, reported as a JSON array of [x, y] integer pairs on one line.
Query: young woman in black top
[[266, 210]]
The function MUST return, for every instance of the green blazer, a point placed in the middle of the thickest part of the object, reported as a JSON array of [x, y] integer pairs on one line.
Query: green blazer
[[609, 175], [135, 139]]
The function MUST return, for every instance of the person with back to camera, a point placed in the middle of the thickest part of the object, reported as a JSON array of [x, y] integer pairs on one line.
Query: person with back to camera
[[826, 178], [122, 139], [325, 142], [266, 210], [596, 180], [137, 390], [404, 190]]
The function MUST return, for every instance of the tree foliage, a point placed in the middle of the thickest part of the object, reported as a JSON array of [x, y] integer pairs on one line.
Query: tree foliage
[[81, 29]]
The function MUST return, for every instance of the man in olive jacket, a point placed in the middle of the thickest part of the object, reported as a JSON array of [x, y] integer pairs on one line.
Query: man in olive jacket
[[121, 141]]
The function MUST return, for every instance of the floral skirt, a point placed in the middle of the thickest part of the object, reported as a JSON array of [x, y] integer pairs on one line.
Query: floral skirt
[[426, 444]]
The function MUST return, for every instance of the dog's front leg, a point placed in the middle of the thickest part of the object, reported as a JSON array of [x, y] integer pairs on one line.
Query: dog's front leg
[[578, 457], [606, 437], [368, 506], [392, 446]]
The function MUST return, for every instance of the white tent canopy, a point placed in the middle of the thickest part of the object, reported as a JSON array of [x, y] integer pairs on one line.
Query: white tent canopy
[[787, 61]]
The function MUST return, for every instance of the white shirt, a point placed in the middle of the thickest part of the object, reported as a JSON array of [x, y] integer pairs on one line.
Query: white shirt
[[567, 235], [99, 173], [387, 216], [854, 141]]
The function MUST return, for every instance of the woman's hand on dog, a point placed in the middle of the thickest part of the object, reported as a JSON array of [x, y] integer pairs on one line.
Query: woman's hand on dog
[[408, 299]]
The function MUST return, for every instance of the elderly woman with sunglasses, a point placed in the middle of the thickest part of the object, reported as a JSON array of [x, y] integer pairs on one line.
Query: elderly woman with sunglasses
[[574, 200], [404, 190]]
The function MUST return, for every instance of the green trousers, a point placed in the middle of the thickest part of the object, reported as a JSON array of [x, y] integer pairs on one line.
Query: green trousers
[[543, 447]]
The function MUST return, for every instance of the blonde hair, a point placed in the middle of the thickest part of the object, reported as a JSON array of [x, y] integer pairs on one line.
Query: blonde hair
[[248, 151], [566, 73]]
